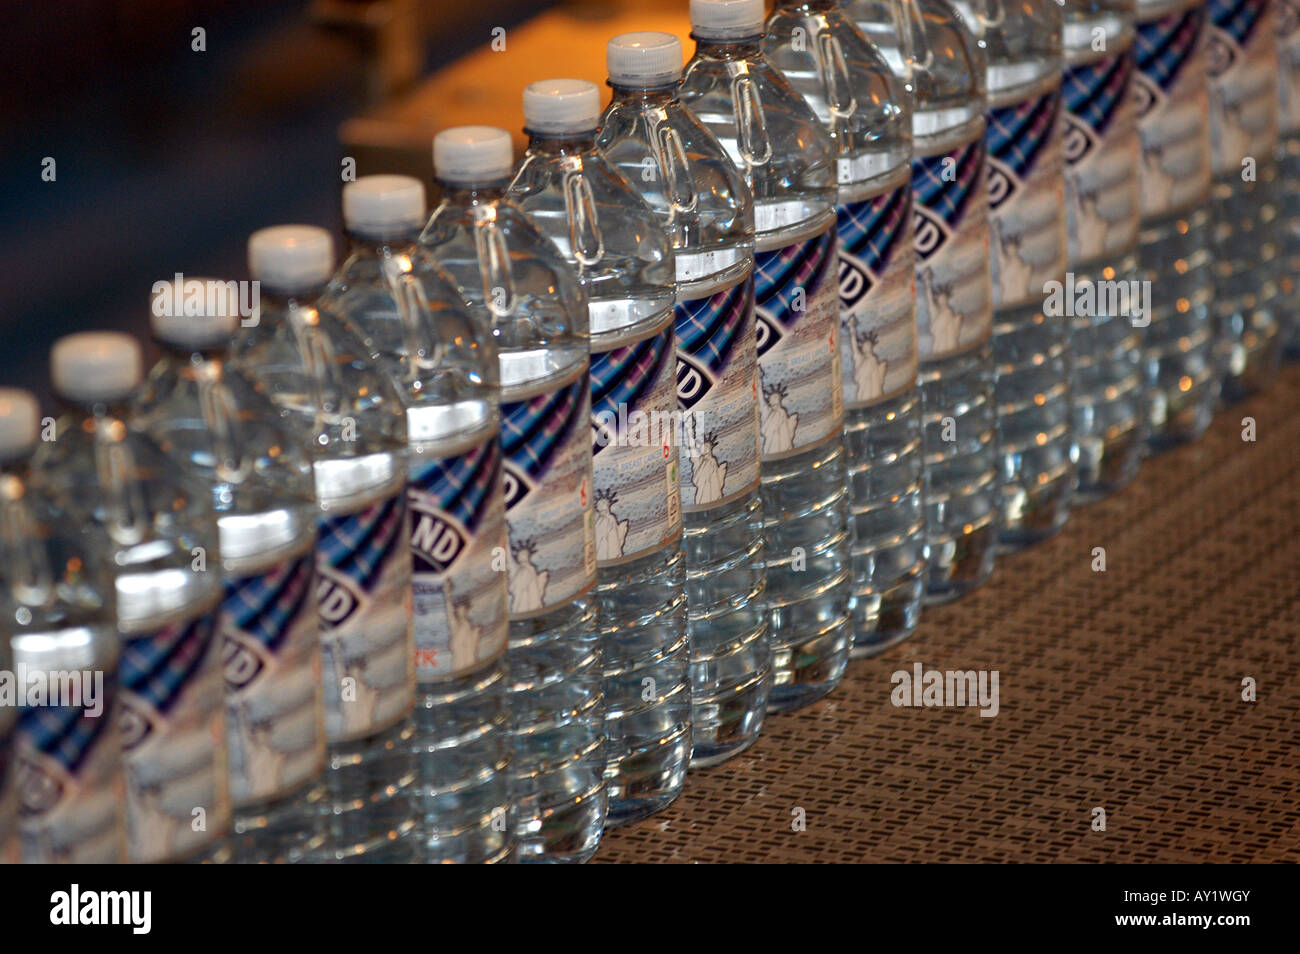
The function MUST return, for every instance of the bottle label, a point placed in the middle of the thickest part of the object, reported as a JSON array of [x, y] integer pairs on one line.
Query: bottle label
[[1101, 158], [954, 295], [717, 390], [1287, 15], [270, 656], [69, 782], [877, 272], [634, 450], [801, 386], [1026, 198], [1172, 104], [549, 517], [1243, 70], [458, 546], [363, 587], [173, 740]]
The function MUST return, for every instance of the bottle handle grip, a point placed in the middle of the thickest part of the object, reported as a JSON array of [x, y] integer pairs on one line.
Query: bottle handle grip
[[585, 239], [751, 129], [835, 76], [494, 265], [423, 348], [32, 579]]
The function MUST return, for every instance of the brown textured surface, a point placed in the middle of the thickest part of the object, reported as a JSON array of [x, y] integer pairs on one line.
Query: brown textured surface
[[1119, 689]]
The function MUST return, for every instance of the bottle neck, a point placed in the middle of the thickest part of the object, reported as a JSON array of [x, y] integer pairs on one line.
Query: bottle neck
[[644, 96], [562, 144], [385, 246], [283, 300], [731, 49], [98, 412], [473, 193], [196, 364]]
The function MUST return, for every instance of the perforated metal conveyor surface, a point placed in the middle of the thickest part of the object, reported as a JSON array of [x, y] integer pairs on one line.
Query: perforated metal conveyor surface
[[1119, 690]]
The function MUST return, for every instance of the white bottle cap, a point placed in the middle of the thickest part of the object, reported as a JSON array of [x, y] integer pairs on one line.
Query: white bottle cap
[[195, 312], [19, 422], [382, 206], [95, 366], [727, 19], [472, 154], [644, 59], [561, 106], [291, 258]]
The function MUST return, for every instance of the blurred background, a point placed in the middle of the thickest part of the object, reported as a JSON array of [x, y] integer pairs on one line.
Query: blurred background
[[178, 127]]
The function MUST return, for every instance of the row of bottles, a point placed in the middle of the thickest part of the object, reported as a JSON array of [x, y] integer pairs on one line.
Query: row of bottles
[[470, 545]]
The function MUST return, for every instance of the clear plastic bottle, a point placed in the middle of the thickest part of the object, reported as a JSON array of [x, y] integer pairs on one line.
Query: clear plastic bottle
[[929, 41], [100, 470], [684, 175], [847, 82], [1286, 15], [1174, 178], [57, 616], [227, 436], [1031, 336], [1104, 211], [623, 259], [418, 328], [347, 414], [1243, 67], [789, 162], [526, 294]]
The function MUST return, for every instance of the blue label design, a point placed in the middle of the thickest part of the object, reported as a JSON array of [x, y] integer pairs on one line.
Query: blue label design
[[263, 608], [1018, 135], [1095, 94], [157, 669], [533, 432], [944, 186], [871, 232], [626, 376], [1026, 204], [457, 545], [275, 733], [1101, 155], [66, 734], [717, 392], [352, 554], [1238, 19], [1164, 48], [877, 301], [1170, 92], [449, 497], [796, 298], [546, 441], [708, 330]]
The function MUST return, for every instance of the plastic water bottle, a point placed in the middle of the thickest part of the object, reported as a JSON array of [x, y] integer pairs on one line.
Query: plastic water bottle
[[864, 106], [163, 541], [936, 51], [1243, 66], [1104, 211], [1031, 335], [61, 794], [227, 436], [614, 242], [1286, 14], [1174, 179], [703, 204], [789, 162], [418, 328], [526, 294], [346, 412]]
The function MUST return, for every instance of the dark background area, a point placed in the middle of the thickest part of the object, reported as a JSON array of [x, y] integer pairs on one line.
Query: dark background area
[[167, 158]]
